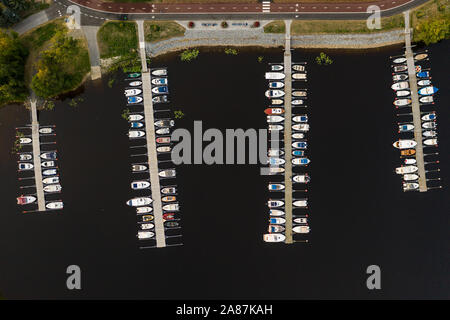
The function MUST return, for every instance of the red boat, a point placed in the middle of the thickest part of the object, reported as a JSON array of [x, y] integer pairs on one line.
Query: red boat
[[168, 216], [274, 111], [163, 140], [25, 200]]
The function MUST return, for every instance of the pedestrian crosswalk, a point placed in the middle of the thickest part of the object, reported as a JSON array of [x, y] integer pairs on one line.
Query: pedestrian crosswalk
[[266, 6]]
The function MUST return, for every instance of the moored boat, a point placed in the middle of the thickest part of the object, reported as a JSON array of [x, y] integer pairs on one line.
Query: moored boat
[[299, 76], [399, 77], [22, 200], [171, 224], [162, 140], [429, 133], [276, 85], [275, 161], [429, 125], [410, 177], [45, 130], [160, 99], [134, 100], [298, 153], [301, 220], [409, 186], [274, 237], [424, 83], [402, 102], [49, 155], [135, 117], [298, 67], [135, 83], [300, 144], [139, 201], [51, 180], [274, 75], [426, 99], [275, 186], [147, 226], [160, 81], [407, 152], [168, 173], [160, 90], [162, 131], [142, 210], [404, 144], [300, 161], [297, 102], [405, 127], [273, 228], [55, 205], [301, 127], [276, 212], [25, 140], [159, 72], [163, 149], [400, 68], [275, 127], [168, 216], [139, 185], [399, 60], [49, 172], [423, 74], [134, 75], [276, 170], [25, 156], [400, 85], [132, 92], [138, 167], [168, 199], [420, 56], [406, 169], [51, 188], [426, 91], [274, 119], [136, 125], [274, 111], [48, 164], [147, 217], [275, 203], [25, 166], [301, 203], [171, 207], [301, 229], [169, 190], [277, 220], [403, 93], [165, 123], [430, 142], [298, 135], [276, 67], [410, 161], [275, 152], [277, 102], [429, 116], [136, 133], [274, 93], [300, 118], [142, 235], [299, 93]]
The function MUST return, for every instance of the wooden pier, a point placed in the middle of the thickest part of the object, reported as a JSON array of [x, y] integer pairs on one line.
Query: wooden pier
[[415, 105], [288, 134], [37, 157]]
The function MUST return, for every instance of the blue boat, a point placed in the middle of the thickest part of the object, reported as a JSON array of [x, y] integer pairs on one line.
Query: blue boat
[[428, 91], [161, 89], [136, 124], [49, 156], [134, 99], [299, 153], [423, 74], [300, 145]]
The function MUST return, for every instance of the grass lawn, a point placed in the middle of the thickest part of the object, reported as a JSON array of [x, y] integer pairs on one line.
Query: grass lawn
[[277, 26], [436, 10], [161, 30], [117, 39]]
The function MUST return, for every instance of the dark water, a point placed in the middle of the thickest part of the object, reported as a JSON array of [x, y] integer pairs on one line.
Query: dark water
[[359, 214]]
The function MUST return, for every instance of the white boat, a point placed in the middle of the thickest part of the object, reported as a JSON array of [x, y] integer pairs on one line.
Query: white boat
[[299, 93], [275, 170], [135, 117], [301, 229], [300, 118], [167, 173], [403, 93], [134, 100], [275, 228], [424, 83], [277, 101], [274, 119], [303, 203], [275, 152], [300, 144], [298, 67], [140, 201], [297, 102], [160, 90], [399, 77], [45, 130], [138, 185], [301, 220], [298, 135], [147, 226], [159, 72], [276, 85], [52, 188], [426, 99], [142, 210], [135, 83], [274, 237], [132, 92], [275, 75], [25, 140], [25, 166], [274, 111], [429, 125], [51, 180], [406, 169], [48, 164], [276, 67], [55, 205], [165, 123], [277, 220], [49, 172], [136, 133], [274, 93], [400, 68], [402, 102], [275, 203], [400, 85], [275, 161], [409, 186], [399, 60], [49, 155], [430, 142], [136, 125], [299, 76], [420, 56], [22, 200], [168, 190], [426, 91], [142, 235], [404, 144], [275, 186], [163, 131], [429, 116], [301, 178], [410, 177], [409, 161], [163, 149], [429, 133], [276, 212], [171, 207], [160, 81], [405, 127], [301, 127], [138, 167], [300, 161], [160, 99], [275, 127], [25, 156]]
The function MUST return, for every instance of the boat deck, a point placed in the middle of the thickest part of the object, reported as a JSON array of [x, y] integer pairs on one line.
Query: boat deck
[[37, 158]]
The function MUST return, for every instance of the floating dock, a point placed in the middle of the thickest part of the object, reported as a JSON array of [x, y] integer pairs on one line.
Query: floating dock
[[37, 158]]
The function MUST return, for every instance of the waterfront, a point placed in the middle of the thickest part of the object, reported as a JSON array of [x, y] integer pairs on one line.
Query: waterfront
[[360, 216]]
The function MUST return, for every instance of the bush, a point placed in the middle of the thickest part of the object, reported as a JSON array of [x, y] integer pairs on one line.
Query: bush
[[191, 24], [224, 24], [323, 59], [188, 55], [256, 24], [432, 31]]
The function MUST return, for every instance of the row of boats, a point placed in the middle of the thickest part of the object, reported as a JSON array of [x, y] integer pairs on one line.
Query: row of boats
[[160, 88], [276, 120]]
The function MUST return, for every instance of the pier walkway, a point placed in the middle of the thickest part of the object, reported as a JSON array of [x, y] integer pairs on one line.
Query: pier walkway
[[415, 105], [151, 146], [288, 133], [37, 157]]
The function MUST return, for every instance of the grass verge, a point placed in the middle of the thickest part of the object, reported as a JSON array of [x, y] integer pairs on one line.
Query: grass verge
[[277, 26], [117, 39], [161, 30]]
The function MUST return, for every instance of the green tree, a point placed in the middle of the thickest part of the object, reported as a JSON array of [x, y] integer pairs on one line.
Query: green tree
[[432, 31]]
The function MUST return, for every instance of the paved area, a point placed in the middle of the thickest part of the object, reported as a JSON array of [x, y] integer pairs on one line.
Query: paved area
[[37, 157], [31, 22], [90, 33]]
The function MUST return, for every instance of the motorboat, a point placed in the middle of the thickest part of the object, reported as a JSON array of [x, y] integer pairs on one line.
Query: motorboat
[[299, 76], [298, 153], [49, 156], [139, 201], [135, 117], [136, 133], [301, 229], [399, 77], [276, 212], [301, 127], [407, 152], [135, 83], [55, 205], [160, 99], [275, 170], [400, 85], [134, 100], [136, 125], [25, 156], [45, 130], [274, 93], [424, 83], [410, 177], [275, 186], [429, 117], [273, 228], [423, 74], [48, 164], [51, 188], [168, 199], [163, 131], [169, 173], [168, 216], [165, 123], [275, 161], [426, 91], [301, 220], [420, 56], [163, 149], [142, 235], [51, 180], [277, 102], [300, 161], [298, 67], [429, 133], [400, 68], [22, 200], [429, 125], [163, 140], [168, 190], [410, 161], [171, 207], [138, 168], [410, 186], [160, 81], [430, 142], [399, 60], [275, 203], [132, 92], [147, 218], [403, 93], [142, 210], [25, 166], [49, 172], [276, 67], [275, 75], [138, 185], [274, 111], [299, 93], [300, 118], [405, 127], [159, 72], [276, 85], [274, 237], [300, 144], [297, 102], [134, 75], [277, 220], [147, 226], [25, 140], [298, 135], [426, 99], [171, 224], [402, 102], [404, 144], [302, 203], [274, 119], [275, 127], [406, 169], [160, 90], [275, 152]]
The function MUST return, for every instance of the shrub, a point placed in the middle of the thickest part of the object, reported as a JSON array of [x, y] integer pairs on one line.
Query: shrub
[[191, 24], [256, 24], [224, 24]]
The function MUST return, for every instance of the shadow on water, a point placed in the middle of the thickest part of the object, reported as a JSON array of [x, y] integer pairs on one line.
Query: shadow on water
[[359, 214]]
